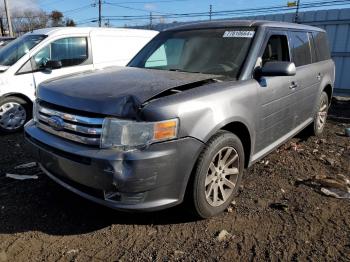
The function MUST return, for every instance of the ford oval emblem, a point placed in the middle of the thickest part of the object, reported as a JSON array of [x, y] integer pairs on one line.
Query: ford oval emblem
[[56, 123]]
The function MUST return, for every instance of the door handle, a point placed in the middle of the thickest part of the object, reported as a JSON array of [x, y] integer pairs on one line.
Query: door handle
[[293, 85]]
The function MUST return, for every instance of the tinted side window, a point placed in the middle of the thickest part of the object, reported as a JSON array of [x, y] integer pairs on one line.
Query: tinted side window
[[301, 48], [70, 51], [276, 49], [313, 49], [322, 46]]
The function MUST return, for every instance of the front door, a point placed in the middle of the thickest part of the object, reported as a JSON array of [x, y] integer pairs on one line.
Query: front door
[[277, 100], [73, 52]]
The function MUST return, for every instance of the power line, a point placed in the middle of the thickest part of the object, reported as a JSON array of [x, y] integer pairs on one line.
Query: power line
[[133, 8], [238, 11], [223, 13], [78, 9], [149, 2]]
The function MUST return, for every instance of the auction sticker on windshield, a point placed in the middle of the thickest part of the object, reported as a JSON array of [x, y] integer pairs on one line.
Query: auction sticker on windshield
[[239, 34]]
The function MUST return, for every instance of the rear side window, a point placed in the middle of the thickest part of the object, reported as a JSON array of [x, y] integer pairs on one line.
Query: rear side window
[[322, 46], [313, 49], [301, 48], [276, 49]]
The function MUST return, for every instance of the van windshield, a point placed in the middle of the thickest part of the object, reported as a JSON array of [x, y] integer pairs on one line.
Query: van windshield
[[207, 51], [12, 52]]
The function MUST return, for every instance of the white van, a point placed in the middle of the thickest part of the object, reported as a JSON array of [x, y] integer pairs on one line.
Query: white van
[[53, 52]]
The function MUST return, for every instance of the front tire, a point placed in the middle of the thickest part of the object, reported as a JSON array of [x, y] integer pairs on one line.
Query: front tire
[[217, 174], [14, 113]]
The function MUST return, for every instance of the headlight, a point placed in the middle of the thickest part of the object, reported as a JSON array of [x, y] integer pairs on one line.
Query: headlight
[[128, 135]]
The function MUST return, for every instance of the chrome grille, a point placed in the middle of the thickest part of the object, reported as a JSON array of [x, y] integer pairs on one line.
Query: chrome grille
[[78, 128]]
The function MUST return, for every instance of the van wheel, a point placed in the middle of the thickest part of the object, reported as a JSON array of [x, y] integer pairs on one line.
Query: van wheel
[[217, 174], [14, 113], [321, 115]]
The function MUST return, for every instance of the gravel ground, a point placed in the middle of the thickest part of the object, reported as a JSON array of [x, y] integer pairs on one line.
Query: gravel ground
[[277, 215]]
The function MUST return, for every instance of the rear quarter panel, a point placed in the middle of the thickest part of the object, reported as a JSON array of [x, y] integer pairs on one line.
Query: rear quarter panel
[[327, 71]]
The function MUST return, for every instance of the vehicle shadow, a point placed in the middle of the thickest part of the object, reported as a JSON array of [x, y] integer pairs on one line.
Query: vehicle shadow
[[42, 205], [304, 135]]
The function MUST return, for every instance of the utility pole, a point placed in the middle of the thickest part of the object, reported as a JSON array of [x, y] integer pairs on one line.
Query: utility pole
[[296, 20], [99, 12], [210, 12], [150, 20], [8, 17]]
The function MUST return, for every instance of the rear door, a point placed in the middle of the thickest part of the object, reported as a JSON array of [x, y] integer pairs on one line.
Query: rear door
[[307, 77], [276, 94]]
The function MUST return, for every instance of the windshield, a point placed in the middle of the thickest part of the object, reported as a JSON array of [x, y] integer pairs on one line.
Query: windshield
[[12, 52], [209, 51]]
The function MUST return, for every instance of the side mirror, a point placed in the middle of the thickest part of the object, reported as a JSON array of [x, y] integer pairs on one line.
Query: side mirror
[[53, 64], [276, 69]]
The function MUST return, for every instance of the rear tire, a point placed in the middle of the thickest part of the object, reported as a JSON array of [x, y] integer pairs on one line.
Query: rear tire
[[320, 116], [217, 175], [14, 113]]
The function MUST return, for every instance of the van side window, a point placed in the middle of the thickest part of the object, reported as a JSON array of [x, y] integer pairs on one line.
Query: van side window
[[276, 49], [322, 46], [70, 51], [301, 48]]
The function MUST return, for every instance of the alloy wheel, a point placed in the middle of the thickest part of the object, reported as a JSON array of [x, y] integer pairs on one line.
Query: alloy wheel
[[322, 115], [222, 176]]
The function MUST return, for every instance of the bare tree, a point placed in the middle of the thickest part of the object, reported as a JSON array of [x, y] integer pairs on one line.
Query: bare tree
[[29, 20]]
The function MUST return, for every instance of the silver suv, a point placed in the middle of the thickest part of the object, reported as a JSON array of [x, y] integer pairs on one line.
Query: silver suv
[[196, 106]]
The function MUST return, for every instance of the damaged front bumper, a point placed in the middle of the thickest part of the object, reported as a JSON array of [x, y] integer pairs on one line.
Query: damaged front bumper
[[150, 179]]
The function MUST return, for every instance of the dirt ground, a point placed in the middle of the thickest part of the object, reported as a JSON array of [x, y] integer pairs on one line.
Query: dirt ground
[[275, 217]]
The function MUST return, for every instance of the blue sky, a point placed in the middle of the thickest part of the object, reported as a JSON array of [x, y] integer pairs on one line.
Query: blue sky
[[85, 10]]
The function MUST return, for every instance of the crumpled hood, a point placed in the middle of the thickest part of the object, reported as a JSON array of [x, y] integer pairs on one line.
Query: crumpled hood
[[117, 91]]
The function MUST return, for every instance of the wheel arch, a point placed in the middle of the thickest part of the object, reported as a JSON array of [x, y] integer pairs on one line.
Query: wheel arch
[[19, 95], [236, 127], [329, 91], [242, 132]]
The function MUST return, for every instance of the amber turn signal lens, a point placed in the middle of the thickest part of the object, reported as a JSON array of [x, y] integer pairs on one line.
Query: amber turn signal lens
[[165, 130]]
